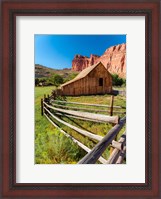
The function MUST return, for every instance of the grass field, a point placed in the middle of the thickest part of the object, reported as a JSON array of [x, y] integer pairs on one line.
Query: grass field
[[52, 147]]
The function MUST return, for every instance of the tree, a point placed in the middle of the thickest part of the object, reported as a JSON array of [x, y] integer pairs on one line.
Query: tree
[[57, 80], [37, 81], [70, 77], [117, 81]]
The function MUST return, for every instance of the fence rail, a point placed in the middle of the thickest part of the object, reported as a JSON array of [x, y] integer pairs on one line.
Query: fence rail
[[81, 131], [97, 151], [93, 155], [85, 109], [116, 153], [86, 104], [101, 159], [98, 117]]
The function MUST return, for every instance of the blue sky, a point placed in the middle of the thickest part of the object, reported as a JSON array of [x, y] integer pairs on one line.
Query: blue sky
[[58, 51]]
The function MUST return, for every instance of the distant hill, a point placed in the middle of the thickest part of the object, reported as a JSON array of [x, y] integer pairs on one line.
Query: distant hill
[[43, 71]]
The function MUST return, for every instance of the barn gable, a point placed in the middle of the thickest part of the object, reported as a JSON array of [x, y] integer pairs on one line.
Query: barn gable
[[93, 80], [82, 74]]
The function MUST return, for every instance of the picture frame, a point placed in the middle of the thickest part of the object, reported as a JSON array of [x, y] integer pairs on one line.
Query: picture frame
[[149, 9]]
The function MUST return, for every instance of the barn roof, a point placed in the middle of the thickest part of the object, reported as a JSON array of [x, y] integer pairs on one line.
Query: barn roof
[[82, 74]]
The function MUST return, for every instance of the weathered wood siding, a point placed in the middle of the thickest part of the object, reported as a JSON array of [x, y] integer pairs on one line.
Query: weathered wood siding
[[90, 84]]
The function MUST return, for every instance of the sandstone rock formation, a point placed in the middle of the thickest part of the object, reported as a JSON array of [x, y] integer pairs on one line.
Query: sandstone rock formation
[[114, 59]]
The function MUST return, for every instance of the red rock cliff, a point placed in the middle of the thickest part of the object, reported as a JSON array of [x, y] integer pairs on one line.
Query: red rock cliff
[[114, 59]]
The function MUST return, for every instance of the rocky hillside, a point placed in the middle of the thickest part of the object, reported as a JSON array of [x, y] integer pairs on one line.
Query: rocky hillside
[[43, 71], [114, 59]]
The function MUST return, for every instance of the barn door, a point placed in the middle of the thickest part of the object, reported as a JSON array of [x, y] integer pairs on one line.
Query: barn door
[[101, 81]]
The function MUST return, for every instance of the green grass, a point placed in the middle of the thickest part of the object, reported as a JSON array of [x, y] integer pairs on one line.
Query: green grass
[[52, 147], [99, 99]]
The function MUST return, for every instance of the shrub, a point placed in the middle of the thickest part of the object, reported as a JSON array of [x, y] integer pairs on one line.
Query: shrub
[[118, 81], [56, 148], [70, 77], [57, 80], [37, 81]]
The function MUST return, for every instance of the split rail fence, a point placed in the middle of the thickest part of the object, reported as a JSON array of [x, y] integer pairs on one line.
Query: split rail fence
[[53, 109]]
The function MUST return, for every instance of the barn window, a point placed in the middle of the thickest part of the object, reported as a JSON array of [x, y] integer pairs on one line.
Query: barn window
[[100, 81]]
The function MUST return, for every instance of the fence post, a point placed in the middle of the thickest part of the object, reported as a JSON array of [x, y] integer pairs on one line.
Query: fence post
[[47, 99], [44, 97], [111, 105], [54, 94], [111, 149], [111, 114], [45, 102], [42, 107]]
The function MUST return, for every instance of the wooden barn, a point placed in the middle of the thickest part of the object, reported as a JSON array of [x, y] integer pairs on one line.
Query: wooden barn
[[93, 80]]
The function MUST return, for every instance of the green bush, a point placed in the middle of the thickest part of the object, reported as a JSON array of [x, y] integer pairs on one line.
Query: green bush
[[57, 80], [37, 81], [56, 148], [54, 80], [70, 77], [118, 81]]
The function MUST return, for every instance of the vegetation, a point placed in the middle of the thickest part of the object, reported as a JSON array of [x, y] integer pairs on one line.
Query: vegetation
[[118, 81], [70, 76], [52, 147], [54, 80], [56, 150], [45, 76]]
